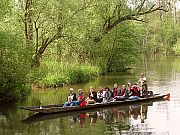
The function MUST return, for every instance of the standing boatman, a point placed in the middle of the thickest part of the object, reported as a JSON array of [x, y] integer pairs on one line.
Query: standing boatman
[[143, 83]]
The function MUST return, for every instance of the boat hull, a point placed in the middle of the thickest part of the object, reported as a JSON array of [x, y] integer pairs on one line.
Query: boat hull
[[58, 108]]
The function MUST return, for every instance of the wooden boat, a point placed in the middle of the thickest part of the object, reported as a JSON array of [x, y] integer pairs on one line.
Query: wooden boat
[[59, 108], [42, 117]]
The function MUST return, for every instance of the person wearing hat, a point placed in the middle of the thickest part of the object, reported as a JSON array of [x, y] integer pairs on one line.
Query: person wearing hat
[[71, 98], [143, 83]]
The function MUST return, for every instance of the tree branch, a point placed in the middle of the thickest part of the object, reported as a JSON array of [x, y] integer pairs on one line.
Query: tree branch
[[140, 6], [133, 17]]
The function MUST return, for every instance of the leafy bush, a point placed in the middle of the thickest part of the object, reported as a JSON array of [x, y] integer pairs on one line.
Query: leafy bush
[[80, 73], [176, 48], [56, 74], [13, 69]]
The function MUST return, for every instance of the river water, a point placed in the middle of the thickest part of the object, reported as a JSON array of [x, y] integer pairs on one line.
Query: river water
[[156, 118]]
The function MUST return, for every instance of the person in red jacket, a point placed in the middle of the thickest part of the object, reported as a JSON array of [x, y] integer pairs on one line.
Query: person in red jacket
[[135, 90], [116, 90], [80, 99]]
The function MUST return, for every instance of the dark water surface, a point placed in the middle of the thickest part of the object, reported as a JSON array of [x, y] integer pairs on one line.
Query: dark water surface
[[157, 118]]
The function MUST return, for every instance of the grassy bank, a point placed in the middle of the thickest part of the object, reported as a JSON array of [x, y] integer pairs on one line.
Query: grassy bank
[[53, 74]]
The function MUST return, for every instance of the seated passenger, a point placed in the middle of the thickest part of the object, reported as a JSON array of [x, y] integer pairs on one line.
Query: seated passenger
[[123, 90], [121, 95], [107, 95], [129, 86], [135, 92], [128, 92], [116, 90], [92, 96], [80, 99], [100, 94], [71, 98]]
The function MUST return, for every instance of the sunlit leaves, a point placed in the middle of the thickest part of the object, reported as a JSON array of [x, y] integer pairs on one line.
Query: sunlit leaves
[[5, 9]]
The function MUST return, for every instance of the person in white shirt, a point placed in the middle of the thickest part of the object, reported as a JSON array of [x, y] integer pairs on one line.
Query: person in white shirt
[[143, 82]]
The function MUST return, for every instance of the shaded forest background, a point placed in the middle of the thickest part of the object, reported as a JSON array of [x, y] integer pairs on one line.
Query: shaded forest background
[[50, 43]]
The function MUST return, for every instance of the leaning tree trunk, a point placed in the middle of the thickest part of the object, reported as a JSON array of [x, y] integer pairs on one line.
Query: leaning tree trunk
[[37, 56]]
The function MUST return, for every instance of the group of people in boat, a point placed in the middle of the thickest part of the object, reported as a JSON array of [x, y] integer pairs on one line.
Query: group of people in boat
[[105, 95]]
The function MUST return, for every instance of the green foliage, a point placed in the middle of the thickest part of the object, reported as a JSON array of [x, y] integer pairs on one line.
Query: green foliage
[[119, 49], [81, 73], [169, 36], [176, 48], [5, 8], [72, 41], [13, 69], [161, 33], [54, 74]]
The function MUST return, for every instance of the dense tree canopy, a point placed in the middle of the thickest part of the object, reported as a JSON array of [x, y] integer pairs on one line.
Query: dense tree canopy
[[57, 42]]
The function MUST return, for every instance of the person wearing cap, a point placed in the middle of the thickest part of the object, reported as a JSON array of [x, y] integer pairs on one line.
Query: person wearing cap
[[71, 98], [143, 83]]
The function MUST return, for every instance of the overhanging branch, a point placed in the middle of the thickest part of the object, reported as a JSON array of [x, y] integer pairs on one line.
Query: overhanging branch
[[134, 16]]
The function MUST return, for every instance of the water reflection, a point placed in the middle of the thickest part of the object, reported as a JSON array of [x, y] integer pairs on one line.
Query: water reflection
[[112, 116], [163, 74], [116, 119]]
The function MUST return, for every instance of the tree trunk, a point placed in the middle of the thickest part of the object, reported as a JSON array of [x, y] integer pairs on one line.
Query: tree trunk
[[59, 52], [42, 48], [28, 24]]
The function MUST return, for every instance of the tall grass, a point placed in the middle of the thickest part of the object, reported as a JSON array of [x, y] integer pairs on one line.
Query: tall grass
[[54, 74]]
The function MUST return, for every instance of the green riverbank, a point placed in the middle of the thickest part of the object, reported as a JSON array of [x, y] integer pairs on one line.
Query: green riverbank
[[54, 75]]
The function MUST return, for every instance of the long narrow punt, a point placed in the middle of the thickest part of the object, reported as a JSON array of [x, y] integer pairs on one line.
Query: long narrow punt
[[59, 108], [42, 117]]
